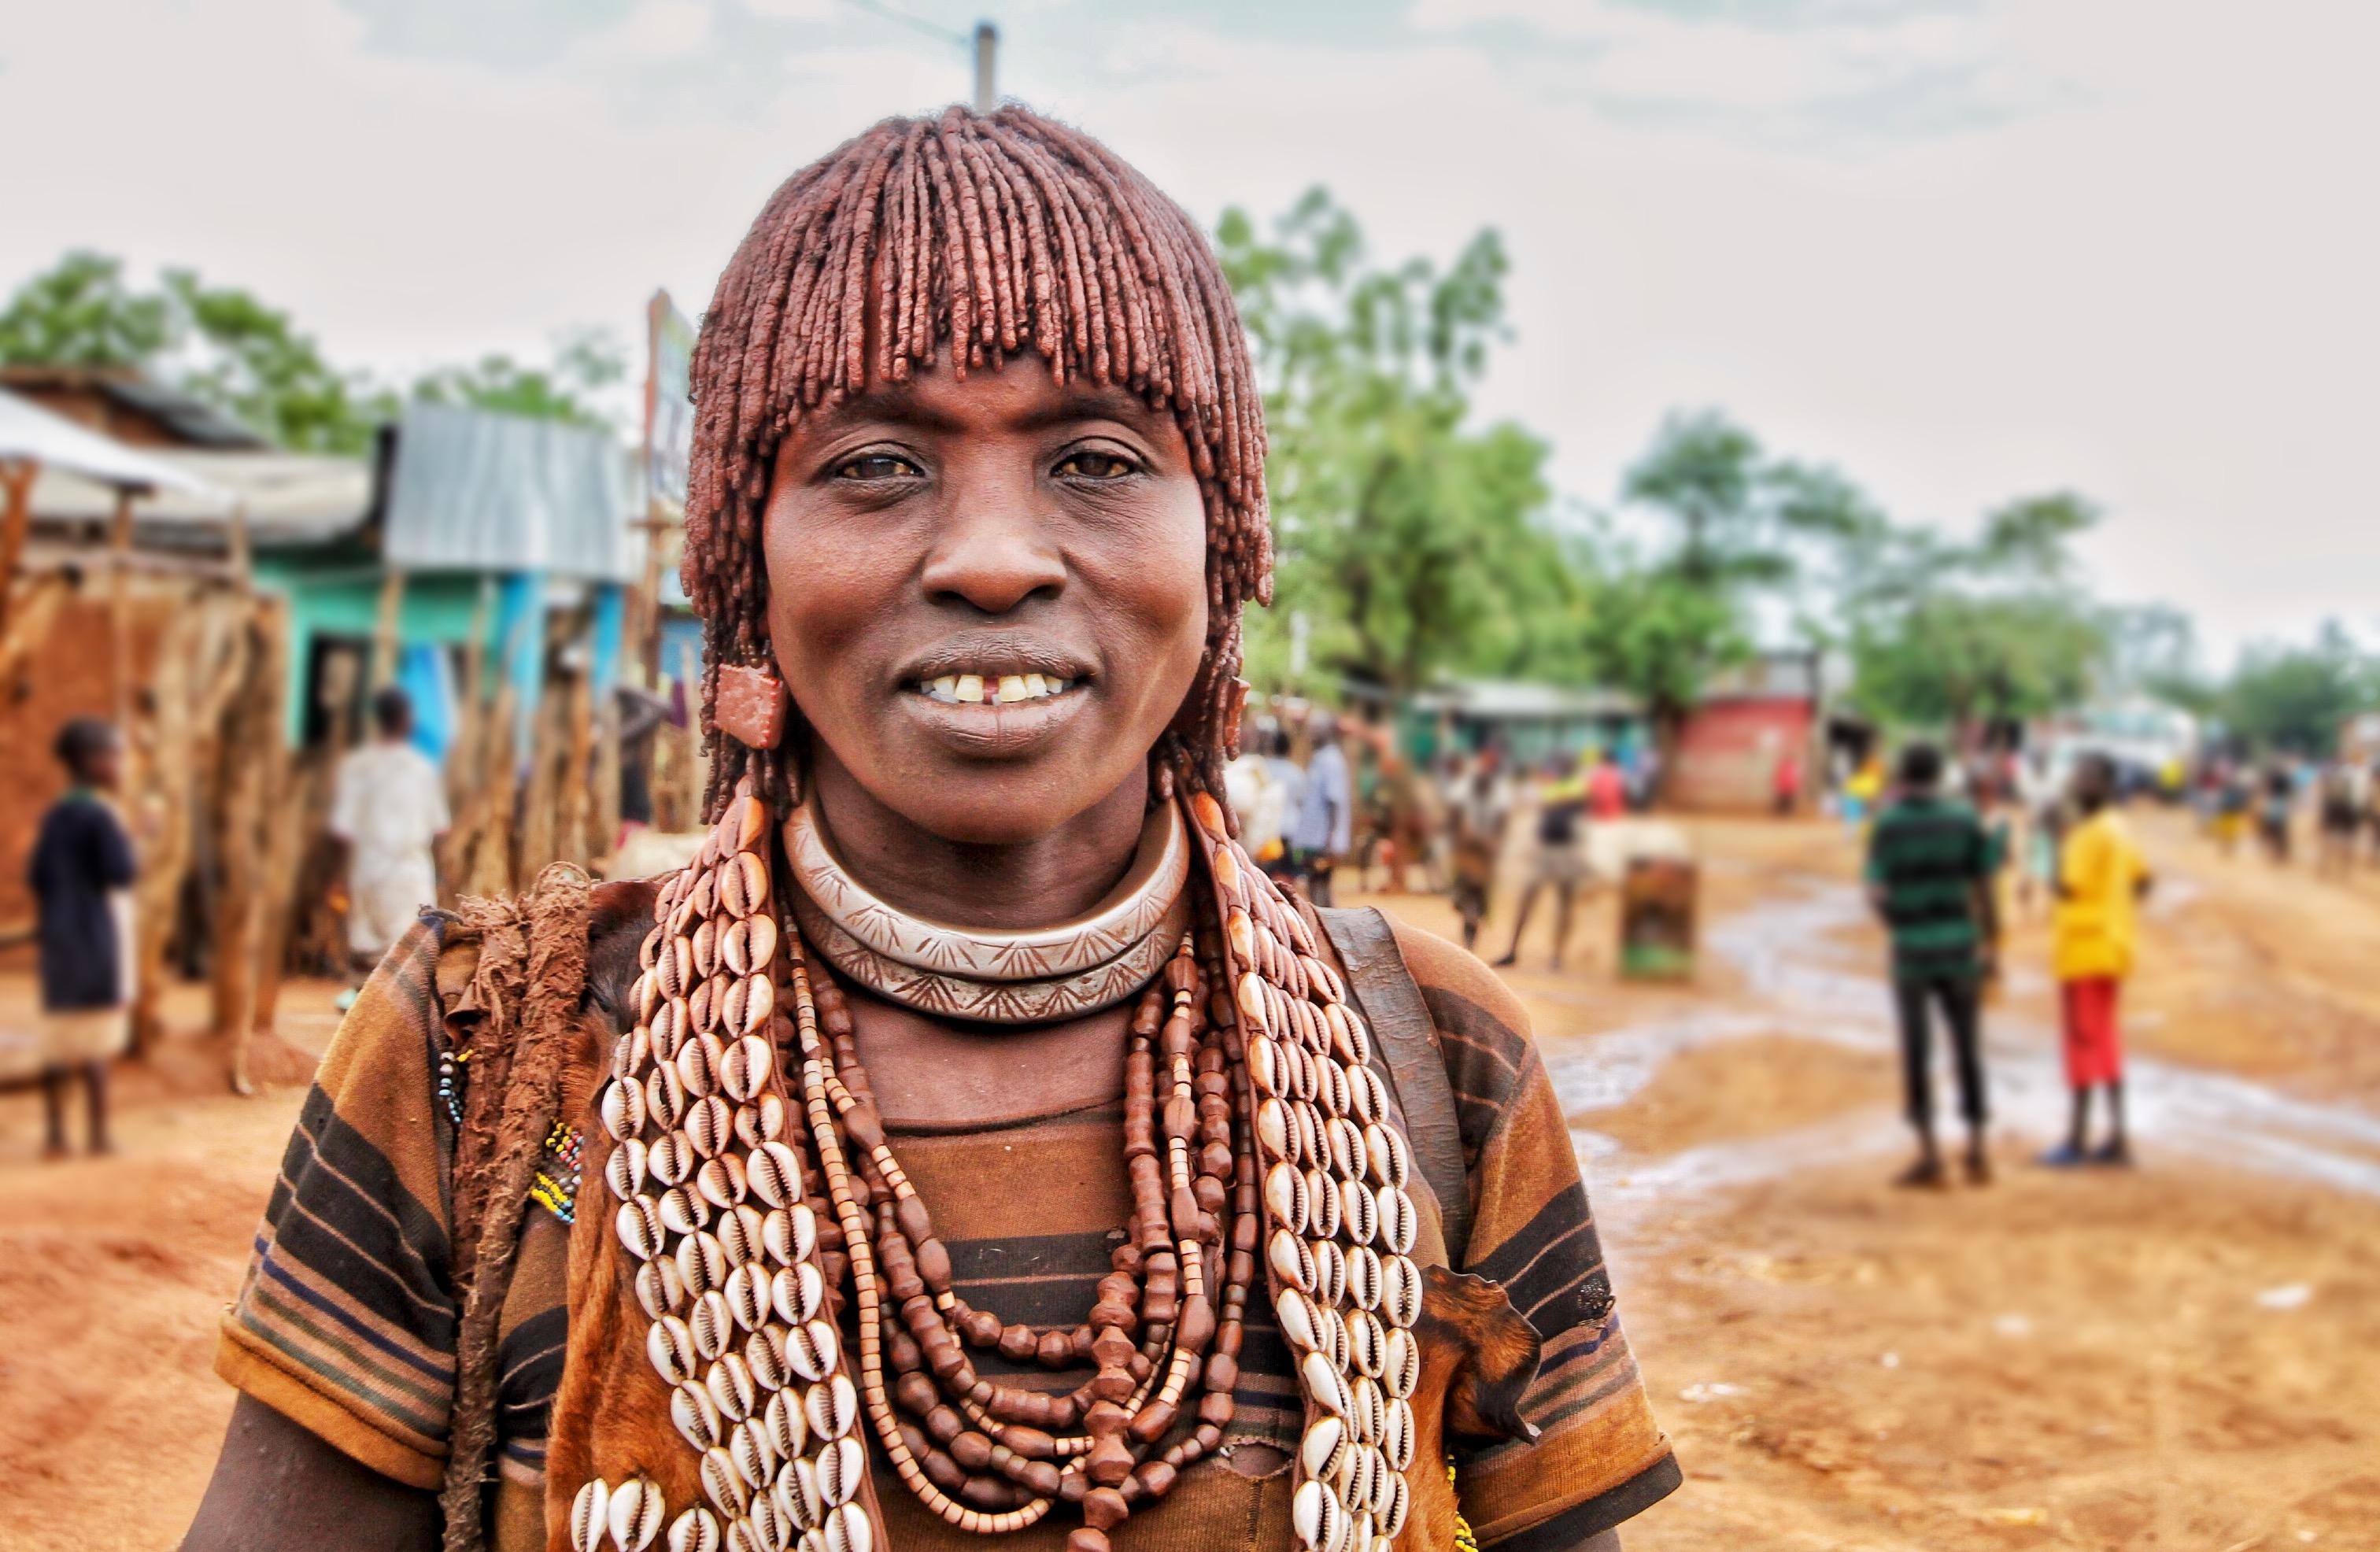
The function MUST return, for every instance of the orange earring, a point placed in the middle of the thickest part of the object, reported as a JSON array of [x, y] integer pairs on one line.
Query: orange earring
[[751, 706]]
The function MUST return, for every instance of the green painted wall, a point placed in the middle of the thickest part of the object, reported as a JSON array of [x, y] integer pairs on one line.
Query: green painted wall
[[339, 595]]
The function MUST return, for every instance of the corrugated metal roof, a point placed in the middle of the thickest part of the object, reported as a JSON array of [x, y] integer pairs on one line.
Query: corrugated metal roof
[[27, 430], [474, 491], [184, 417], [193, 419]]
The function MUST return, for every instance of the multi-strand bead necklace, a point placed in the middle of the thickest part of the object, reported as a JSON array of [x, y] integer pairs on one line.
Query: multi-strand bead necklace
[[1257, 1137]]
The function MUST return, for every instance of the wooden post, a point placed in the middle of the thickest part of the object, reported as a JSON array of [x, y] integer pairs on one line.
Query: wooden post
[[201, 662], [491, 862], [253, 748], [387, 641], [694, 770], [542, 800], [466, 757], [119, 615], [16, 476], [289, 800], [607, 779], [576, 841]]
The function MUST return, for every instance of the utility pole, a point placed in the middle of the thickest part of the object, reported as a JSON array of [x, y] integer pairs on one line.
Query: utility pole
[[987, 45]]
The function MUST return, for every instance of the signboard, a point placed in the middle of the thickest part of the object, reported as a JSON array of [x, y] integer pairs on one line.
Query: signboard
[[669, 413]]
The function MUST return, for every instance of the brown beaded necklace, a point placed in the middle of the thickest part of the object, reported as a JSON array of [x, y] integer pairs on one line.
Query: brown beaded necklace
[[746, 1219], [988, 1457]]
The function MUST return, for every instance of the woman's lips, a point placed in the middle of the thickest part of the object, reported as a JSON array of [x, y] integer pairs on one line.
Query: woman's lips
[[1004, 689], [990, 727]]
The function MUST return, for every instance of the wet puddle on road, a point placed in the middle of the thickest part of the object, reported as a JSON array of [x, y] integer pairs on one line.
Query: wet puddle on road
[[1803, 976]]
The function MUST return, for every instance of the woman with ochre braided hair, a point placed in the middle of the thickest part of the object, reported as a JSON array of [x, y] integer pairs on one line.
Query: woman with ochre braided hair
[[971, 1148]]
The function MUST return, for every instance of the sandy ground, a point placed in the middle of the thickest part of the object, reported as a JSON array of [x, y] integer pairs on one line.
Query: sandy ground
[[2177, 1356]]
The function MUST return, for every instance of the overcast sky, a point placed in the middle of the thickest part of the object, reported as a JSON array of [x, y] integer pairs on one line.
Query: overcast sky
[[1963, 250]]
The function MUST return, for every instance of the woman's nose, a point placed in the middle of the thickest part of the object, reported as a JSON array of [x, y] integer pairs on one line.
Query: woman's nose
[[994, 554]]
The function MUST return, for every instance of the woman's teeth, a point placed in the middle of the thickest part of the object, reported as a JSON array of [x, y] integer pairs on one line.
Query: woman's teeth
[[974, 689]]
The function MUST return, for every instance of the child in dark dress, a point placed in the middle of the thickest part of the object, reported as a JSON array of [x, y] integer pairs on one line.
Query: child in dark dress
[[82, 874]]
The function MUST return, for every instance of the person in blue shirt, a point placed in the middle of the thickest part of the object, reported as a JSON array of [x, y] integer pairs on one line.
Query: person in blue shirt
[[82, 875], [1324, 830]]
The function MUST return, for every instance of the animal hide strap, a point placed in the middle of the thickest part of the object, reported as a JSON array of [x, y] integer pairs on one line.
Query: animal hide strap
[[1384, 988], [529, 1002]]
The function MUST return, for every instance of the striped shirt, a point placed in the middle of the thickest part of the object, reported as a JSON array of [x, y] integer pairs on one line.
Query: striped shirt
[[345, 1322], [1928, 855]]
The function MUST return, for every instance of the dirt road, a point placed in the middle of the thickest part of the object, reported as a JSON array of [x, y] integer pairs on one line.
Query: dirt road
[[2178, 1356]]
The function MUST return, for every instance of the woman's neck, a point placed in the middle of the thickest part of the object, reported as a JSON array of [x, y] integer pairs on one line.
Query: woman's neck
[[1035, 883]]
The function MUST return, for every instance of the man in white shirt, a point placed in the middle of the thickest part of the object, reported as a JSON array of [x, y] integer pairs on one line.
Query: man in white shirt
[[1260, 800], [390, 808]]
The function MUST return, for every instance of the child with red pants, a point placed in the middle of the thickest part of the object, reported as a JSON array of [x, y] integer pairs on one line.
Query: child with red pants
[[2101, 876]]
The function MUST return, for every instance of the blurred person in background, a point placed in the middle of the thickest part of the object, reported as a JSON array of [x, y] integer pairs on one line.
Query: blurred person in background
[[1255, 795], [2341, 808], [1785, 784], [2273, 810], [1607, 789], [1326, 816], [2232, 802], [1289, 777], [1989, 793], [2371, 808], [1861, 793], [2093, 935], [388, 807], [1929, 871], [1557, 853], [1476, 821], [82, 875]]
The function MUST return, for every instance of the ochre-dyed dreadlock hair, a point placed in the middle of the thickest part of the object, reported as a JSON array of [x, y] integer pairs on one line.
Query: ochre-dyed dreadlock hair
[[965, 240]]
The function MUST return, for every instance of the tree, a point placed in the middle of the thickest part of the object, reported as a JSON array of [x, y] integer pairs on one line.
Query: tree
[[251, 360], [587, 361], [2294, 699], [1964, 660], [1961, 635], [79, 313], [258, 368], [1412, 541], [1653, 632], [1738, 529]]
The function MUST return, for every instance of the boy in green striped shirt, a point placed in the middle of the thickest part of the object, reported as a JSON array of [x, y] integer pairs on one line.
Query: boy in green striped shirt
[[1929, 877]]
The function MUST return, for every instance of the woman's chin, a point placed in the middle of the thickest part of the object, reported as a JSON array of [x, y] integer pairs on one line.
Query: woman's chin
[[1005, 801]]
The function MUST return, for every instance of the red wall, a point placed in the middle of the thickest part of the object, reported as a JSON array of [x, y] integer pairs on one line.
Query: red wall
[[1727, 752]]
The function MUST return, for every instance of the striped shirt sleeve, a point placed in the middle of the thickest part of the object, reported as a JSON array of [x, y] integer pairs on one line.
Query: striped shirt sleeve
[[346, 1320], [1599, 1457]]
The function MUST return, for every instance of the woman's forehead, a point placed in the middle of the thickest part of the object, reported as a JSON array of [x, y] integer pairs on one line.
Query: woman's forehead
[[1020, 395]]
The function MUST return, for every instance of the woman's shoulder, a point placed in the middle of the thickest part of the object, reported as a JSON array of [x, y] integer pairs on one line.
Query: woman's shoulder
[[1456, 985]]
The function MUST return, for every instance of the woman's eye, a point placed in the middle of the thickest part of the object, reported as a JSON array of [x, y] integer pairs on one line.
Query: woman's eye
[[876, 465], [1095, 466]]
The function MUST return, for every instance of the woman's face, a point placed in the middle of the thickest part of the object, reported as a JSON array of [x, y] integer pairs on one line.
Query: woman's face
[[988, 598]]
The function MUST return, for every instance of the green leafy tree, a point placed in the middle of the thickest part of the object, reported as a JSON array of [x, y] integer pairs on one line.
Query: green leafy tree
[[2294, 699], [257, 366], [1736, 529], [585, 363], [249, 360], [1412, 541], [1958, 635], [79, 313]]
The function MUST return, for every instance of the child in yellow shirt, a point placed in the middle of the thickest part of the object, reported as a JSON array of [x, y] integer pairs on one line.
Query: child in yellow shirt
[[2094, 934]]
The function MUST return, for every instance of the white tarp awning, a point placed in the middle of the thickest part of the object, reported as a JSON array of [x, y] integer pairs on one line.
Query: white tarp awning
[[31, 433], [290, 497]]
